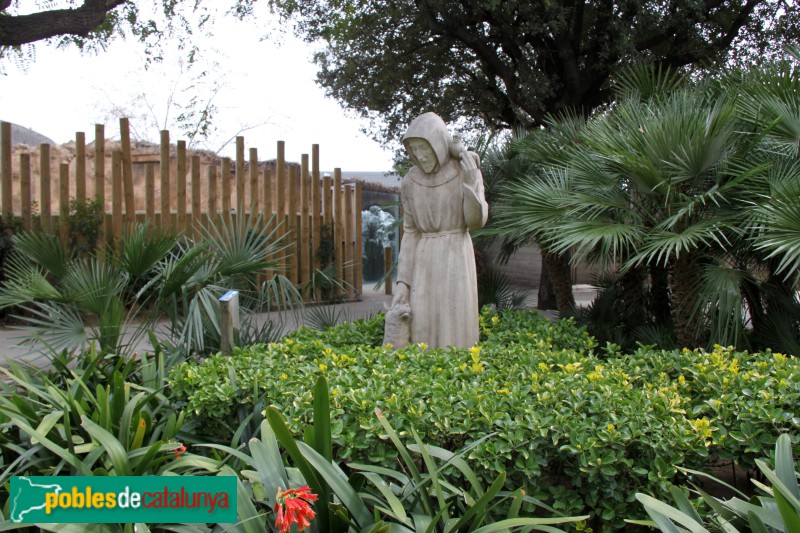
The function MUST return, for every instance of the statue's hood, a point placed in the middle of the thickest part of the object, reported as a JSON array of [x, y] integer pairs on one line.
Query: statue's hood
[[430, 127]]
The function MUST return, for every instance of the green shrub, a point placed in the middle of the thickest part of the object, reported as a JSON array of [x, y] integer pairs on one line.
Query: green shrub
[[581, 430], [777, 508]]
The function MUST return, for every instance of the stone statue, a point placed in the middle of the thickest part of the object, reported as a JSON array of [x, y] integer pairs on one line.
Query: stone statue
[[442, 197]]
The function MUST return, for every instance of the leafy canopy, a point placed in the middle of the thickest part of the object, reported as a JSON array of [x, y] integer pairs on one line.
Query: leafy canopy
[[496, 64]]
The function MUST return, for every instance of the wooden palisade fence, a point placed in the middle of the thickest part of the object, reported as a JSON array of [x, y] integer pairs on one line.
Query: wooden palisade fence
[[310, 209]]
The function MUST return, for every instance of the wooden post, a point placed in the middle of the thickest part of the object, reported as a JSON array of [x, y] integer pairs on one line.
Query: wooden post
[[116, 195], [80, 167], [229, 321], [327, 198], [240, 177], [305, 245], [338, 227], [358, 252], [212, 194], [253, 171], [286, 254], [226, 187], [150, 192], [269, 178], [181, 186], [44, 187], [272, 222], [349, 239], [127, 170], [63, 202], [316, 207], [127, 188], [25, 189], [196, 200], [280, 162], [387, 268], [280, 205], [166, 219], [5, 171], [292, 229], [100, 166]]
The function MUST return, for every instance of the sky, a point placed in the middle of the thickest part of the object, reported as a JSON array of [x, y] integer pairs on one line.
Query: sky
[[264, 87]]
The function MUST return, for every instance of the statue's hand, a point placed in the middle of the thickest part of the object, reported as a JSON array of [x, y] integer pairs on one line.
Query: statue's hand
[[400, 295], [472, 173]]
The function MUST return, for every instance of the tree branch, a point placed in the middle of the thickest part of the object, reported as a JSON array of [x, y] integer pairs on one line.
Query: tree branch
[[20, 29]]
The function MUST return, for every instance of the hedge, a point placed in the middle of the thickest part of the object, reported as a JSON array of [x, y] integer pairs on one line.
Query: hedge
[[580, 427]]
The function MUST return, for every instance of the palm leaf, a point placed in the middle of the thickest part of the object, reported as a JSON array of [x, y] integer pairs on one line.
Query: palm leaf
[[44, 249], [143, 247], [243, 245], [26, 282], [642, 81], [58, 327]]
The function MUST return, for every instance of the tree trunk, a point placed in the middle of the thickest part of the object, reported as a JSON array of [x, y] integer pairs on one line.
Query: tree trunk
[[559, 274], [755, 305], [681, 275], [659, 294], [546, 296], [631, 285]]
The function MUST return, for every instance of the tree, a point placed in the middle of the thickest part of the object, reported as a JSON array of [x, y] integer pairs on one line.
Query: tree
[[499, 64], [92, 24], [699, 182], [495, 65], [91, 17]]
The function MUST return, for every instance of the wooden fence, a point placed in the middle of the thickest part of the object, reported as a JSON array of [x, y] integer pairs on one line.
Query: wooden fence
[[193, 188]]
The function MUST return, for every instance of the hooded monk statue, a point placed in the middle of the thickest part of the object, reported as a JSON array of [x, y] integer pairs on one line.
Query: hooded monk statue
[[443, 200]]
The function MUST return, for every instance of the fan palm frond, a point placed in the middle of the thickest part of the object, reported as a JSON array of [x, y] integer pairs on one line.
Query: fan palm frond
[[326, 316], [44, 249], [494, 289], [143, 247], [662, 245], [780, 234], [92, 284], [326, 283], [642, 81], [26, 282], [57, 327], [719, 303], [243, 245]]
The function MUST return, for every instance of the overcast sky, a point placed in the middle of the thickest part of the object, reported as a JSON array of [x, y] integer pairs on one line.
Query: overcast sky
[[266, 86]]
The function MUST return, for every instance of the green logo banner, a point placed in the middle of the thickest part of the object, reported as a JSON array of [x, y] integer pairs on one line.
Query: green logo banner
[[122, 499]]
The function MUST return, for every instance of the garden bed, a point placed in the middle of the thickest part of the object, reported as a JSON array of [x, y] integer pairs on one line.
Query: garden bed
[[580, 427]]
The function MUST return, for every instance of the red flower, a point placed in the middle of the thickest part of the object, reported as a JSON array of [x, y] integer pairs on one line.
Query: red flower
[[179, 450], [293, 506]]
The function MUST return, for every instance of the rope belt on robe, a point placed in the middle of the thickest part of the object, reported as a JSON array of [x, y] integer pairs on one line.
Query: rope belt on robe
[[443, 233]]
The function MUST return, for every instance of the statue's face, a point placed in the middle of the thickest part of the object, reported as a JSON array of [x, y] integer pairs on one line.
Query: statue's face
[[422, 154]]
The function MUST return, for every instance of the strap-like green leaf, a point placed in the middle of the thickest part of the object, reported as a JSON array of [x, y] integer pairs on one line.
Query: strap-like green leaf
[[664, 514], [69, 458], [394, 502], [479, 509], [337, 481], [784, 465], [116, 451], [503, 525], [322, 419]]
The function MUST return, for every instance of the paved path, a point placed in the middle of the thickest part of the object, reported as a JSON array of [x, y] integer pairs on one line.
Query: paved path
[[371, 302]]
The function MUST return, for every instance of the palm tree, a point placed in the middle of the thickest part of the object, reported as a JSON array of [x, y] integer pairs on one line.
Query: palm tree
[[520, 166], [672, 182], [151, 274]]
